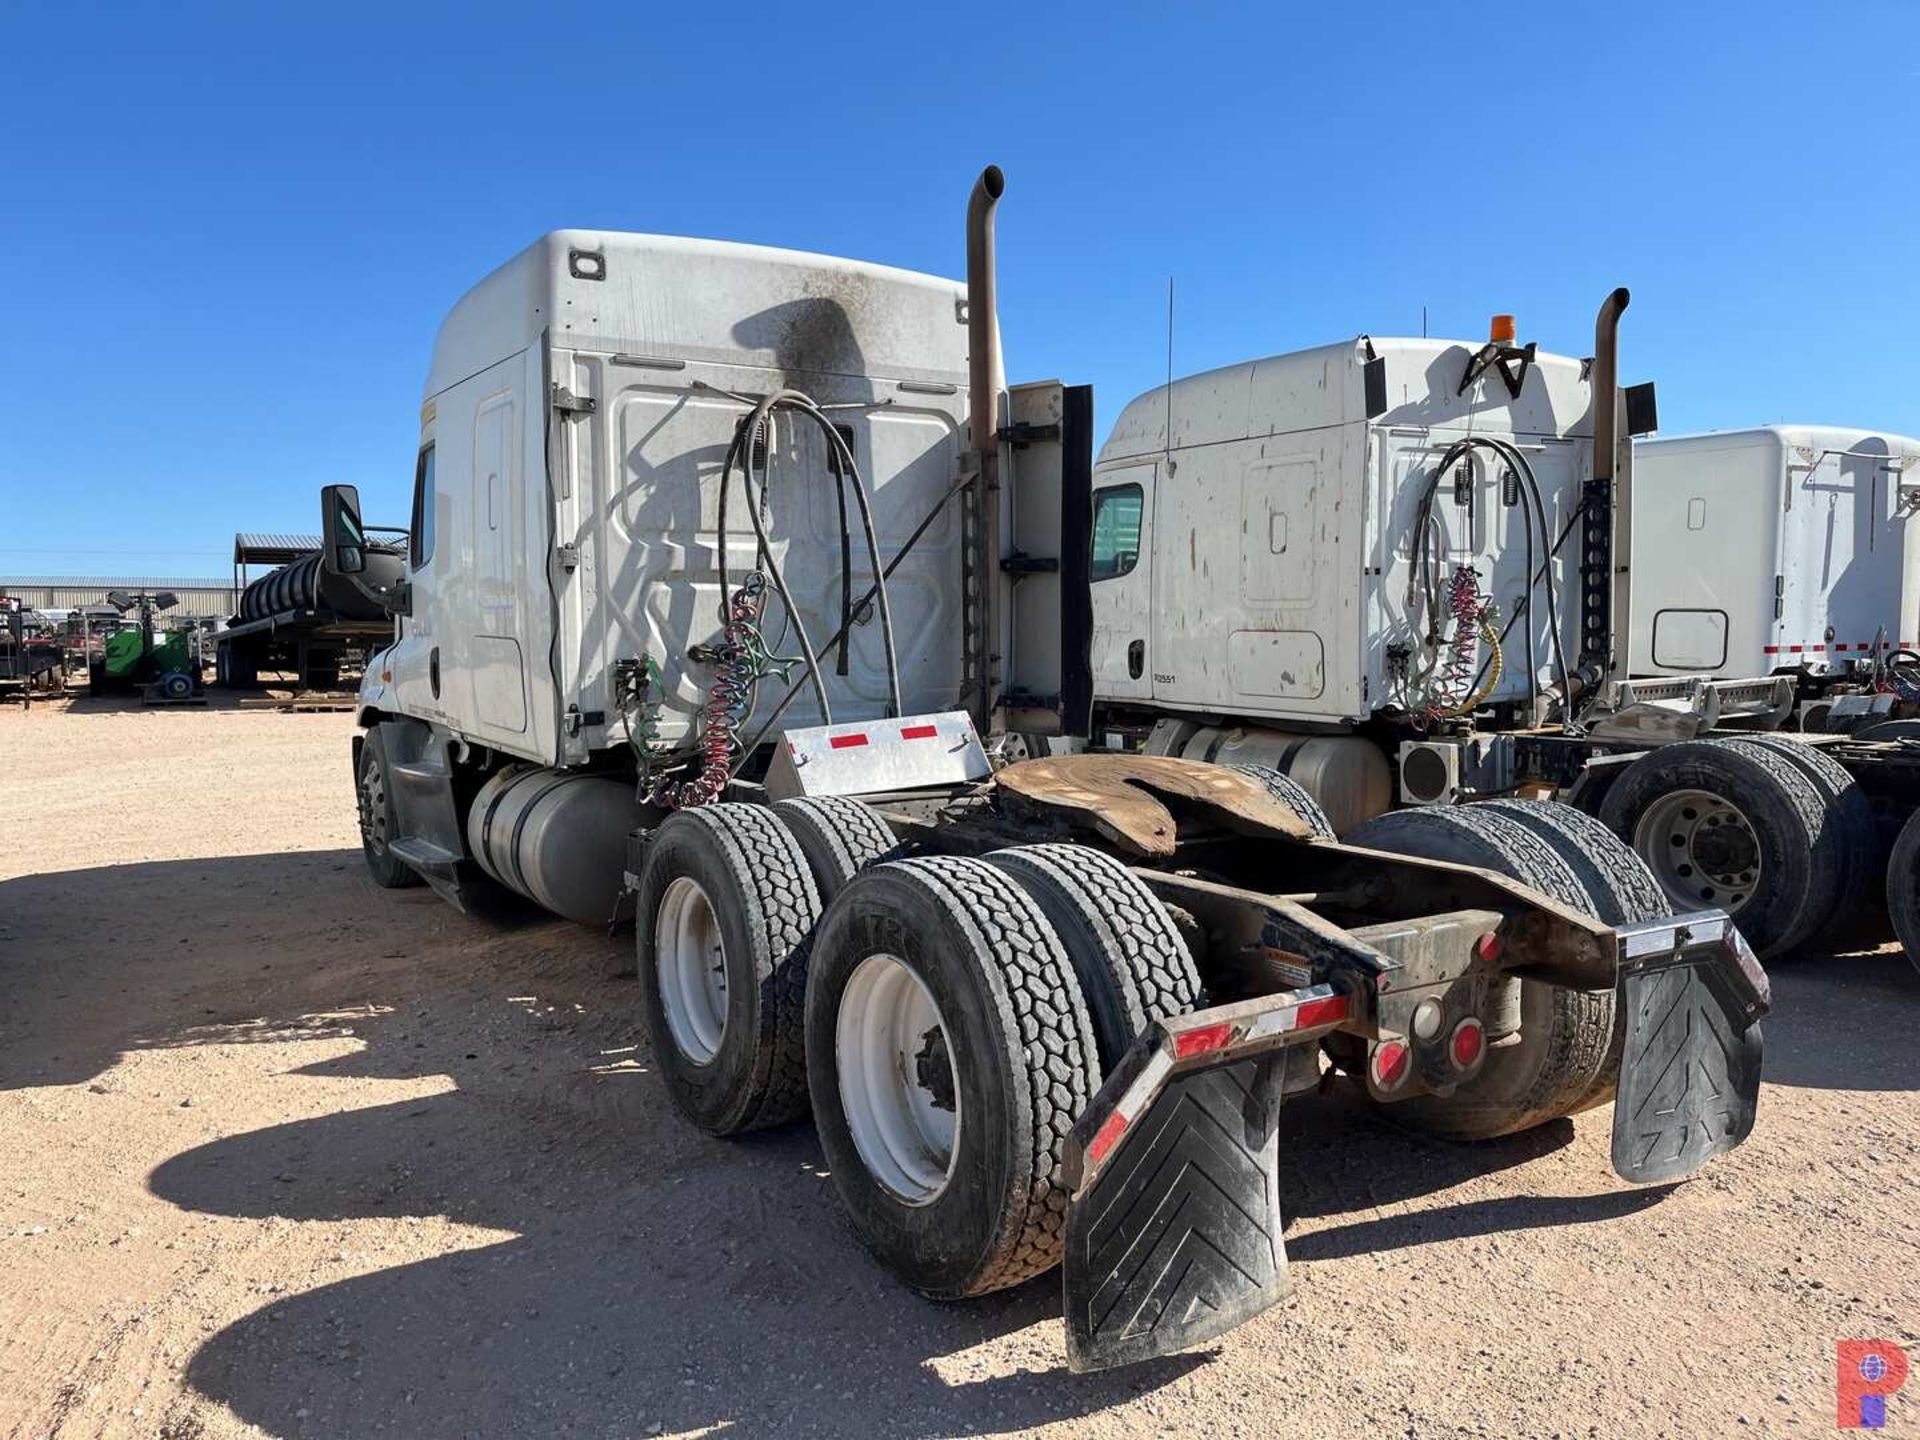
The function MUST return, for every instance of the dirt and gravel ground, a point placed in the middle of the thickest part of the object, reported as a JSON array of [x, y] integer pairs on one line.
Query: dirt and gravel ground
[[282, 1153]]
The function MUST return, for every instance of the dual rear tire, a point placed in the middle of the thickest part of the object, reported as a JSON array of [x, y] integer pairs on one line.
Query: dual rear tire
[[1764, 827], [948, 1018], [1032, 972], [1561, 1048]]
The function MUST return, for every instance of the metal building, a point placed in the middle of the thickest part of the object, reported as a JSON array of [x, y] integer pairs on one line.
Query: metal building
[[203, 599]]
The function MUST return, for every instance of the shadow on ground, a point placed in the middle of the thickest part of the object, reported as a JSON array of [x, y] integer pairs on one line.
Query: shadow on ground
[[78, 700], [641, 1274]]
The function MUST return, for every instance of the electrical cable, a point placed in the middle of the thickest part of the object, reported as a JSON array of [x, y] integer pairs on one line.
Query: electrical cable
[[1428, 553], [800, 403], [742, 657], [1532, 483], [839, 637]]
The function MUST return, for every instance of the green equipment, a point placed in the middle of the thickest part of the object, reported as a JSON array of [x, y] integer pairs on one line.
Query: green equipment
[[160, 667]]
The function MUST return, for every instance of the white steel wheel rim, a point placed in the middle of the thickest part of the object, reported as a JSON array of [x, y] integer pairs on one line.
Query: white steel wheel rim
[[690, 962], [373, 809], [899, 1088], [1701, 848]]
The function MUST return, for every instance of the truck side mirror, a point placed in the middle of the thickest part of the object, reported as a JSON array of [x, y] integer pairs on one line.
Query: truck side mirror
[[343, 548]]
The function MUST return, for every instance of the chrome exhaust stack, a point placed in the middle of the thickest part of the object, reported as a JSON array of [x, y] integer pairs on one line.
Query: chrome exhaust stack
[[980, 549], [1603, 586], [1606, 383]]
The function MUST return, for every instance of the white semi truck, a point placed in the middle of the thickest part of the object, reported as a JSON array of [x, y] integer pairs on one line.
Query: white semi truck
[[1415, 572], [724, 562], [1783, 547]]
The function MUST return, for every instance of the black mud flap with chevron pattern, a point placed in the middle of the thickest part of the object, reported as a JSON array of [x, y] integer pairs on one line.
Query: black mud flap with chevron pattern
[[1177, 1239], [1689, 1068]]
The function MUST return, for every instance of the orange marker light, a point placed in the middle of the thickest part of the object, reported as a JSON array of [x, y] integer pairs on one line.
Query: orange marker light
[[1501, 332]]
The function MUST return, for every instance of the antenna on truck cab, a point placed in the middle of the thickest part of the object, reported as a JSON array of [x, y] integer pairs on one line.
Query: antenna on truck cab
[[1168, 446]]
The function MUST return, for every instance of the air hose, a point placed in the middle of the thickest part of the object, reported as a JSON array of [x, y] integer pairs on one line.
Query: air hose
[[742, 657], [1455, 694]]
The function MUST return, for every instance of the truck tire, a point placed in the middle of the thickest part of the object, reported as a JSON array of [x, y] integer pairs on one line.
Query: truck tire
[[1903, 888], [1848, 811], [724, 914], [839, 836], [1620, 889], [1291, 793], [1748, 812], [1131, 963], [950, 1173], [1565, 1041], [377, 821], [1619, 886]]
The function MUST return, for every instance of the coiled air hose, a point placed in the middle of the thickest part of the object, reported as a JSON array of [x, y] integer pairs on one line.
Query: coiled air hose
[[742, 657], [1424, 591]]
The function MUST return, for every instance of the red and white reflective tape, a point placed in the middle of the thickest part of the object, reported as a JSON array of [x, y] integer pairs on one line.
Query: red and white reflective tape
[[1316, 1008], [858, 738], [1839, 647]]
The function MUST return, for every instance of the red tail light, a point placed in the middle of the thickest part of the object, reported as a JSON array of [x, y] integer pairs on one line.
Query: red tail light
[[1469, 1043], [1391, 1064]]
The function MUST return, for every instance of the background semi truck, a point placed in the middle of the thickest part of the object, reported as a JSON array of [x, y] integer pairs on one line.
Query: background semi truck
[[1415, 572], [724, 563], [1781, 547]]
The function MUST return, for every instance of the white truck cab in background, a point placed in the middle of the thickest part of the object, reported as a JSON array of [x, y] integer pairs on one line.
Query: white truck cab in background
[[1774, 548]]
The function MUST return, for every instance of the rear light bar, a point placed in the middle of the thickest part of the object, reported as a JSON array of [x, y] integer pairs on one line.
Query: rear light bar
[[1208, 1037]]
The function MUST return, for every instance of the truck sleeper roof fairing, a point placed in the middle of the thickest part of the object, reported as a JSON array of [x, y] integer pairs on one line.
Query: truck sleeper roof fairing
[[1308, 389], [715, 300]]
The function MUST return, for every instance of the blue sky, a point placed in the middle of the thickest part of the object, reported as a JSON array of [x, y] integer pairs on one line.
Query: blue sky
[[227, 234]]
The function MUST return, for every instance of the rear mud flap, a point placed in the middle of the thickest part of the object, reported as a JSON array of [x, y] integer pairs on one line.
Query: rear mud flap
[[1690, 1065], [1176, 1240]]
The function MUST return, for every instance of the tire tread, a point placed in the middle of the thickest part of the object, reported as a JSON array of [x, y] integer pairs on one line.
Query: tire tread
[[1047, 1015], [1142, 962]]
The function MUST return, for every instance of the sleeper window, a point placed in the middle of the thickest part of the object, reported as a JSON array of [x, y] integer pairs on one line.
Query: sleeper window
[[1116, 530]]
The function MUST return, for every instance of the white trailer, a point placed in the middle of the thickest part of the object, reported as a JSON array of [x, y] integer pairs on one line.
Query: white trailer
[[1779, 547], [1041, 1013]]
